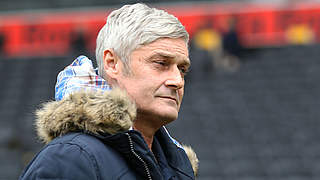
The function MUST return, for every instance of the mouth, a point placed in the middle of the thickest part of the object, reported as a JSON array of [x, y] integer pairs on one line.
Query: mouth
[[170, 98]]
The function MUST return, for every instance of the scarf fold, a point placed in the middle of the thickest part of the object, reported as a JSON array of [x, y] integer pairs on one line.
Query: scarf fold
[[79, 75]]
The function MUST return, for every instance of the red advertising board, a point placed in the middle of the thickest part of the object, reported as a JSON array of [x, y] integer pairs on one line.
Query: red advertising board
[[257, 25]]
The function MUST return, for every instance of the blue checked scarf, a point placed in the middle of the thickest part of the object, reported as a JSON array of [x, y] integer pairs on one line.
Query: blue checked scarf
[[79, 75]]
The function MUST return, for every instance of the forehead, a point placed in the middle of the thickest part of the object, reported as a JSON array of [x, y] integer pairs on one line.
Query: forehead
[[169, 47]]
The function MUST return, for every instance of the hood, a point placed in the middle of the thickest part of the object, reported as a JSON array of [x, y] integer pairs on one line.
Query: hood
[[84, 102], [97, 112]]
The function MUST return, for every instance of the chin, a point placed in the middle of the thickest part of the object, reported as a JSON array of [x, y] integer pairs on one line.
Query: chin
[[168, 116], [164, 117], [160, 113]]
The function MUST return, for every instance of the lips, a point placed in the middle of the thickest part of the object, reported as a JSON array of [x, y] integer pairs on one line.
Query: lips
[[170, 97]]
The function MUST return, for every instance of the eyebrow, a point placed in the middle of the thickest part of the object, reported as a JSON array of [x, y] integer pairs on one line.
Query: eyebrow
[[186, 61]]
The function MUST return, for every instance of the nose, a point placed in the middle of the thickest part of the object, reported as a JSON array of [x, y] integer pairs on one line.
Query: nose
[[175, 79]]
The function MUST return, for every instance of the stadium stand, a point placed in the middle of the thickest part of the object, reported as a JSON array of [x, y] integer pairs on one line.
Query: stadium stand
[[257, 123], [18, 5]]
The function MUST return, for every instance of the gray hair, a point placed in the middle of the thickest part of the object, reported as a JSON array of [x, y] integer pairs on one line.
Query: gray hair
[[133, 26]]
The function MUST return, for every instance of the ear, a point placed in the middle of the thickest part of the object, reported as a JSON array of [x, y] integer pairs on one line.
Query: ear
[[111, 63]]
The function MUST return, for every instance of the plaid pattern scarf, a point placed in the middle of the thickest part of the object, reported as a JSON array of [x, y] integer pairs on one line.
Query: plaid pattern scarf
[[79, 75]]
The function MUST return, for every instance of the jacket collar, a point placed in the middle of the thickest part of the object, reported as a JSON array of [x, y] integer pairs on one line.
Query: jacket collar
[[175, 155], [136, 152]]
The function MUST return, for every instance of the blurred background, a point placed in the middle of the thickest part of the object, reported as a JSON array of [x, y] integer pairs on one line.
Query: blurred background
[[251, 106]]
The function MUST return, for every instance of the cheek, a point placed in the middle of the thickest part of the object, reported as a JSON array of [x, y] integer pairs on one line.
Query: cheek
[[143, 90]]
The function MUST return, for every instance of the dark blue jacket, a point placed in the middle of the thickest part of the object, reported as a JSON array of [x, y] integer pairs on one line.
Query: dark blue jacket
[[81, 148]]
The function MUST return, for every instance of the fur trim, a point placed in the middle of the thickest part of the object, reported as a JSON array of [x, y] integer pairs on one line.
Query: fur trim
[[97, 112], [192, 158]]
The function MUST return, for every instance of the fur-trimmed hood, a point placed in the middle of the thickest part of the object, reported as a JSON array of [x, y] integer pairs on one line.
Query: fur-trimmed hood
[[96, 112]]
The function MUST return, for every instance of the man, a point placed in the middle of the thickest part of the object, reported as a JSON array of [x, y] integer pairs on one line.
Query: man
[[111, 126]]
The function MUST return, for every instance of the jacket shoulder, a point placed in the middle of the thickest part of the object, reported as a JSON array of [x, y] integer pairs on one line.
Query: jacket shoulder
[[76, 156], [62, 159]]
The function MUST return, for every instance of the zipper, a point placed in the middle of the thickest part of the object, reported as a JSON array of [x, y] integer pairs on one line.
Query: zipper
[[137, 156]]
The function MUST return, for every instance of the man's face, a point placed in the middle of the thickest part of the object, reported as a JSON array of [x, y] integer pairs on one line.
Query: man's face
[[156, 78]]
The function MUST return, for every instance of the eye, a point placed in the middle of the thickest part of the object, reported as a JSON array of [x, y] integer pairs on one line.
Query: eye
[[184, 70], [161, 63]]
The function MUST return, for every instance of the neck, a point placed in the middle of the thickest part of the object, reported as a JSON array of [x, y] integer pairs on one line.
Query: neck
[[146, 129], [148, 124]]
